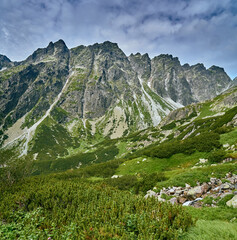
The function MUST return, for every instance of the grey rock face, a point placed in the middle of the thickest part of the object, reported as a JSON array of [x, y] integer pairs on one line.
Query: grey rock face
[[101, 78], [141, 64], [5, 62], [103, 75], [168, 79], [234, 82], [33, 84], [186, 84]]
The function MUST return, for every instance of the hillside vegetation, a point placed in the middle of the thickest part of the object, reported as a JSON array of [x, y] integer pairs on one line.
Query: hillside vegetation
[[97, 191]]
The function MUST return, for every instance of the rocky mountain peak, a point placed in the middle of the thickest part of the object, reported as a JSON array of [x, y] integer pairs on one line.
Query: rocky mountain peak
[[216, 69], [4, 61], [52, 52], [141, 64], [234, 82], [166, 58], [199, 67], [60, 46], [108, 49], [125, 93]]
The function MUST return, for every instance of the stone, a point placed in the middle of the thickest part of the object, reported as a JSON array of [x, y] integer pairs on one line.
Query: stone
[[225, 186], [226, 145], [232, 202], [179, 192], [162, 192], [173, 200], [187, 185], [218, 182], [171, 191], [203, 160], [225, 194], [188, 203], [205, 187], [213, 180], [195, 192], [160, 199], [197, 199], [215, 190], [150, 193], [116, 176], [182, 200], [228, 175]]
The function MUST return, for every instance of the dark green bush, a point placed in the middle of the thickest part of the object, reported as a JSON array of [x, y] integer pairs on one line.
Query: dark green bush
[[123, 183], [148, 182], [169, 126], [216, 156], [204, 142], [44, 207]]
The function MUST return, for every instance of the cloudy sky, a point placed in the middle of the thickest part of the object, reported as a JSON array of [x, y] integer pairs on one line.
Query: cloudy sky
[[193, 30]]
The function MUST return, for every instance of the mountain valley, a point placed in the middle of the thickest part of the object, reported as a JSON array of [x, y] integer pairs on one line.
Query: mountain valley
[[93, 127]]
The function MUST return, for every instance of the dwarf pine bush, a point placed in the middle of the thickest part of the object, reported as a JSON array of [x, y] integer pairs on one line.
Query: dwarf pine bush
[[43, 207]]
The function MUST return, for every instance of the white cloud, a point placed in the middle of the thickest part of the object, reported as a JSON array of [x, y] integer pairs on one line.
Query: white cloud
[[196, 31]]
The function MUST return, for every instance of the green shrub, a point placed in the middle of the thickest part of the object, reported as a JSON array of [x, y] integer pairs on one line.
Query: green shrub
[[204, 142], [43, 207], [216, 156], [126, 182], [208, 200], [148, 182], [169, 126], [105, 170], [225, 199]]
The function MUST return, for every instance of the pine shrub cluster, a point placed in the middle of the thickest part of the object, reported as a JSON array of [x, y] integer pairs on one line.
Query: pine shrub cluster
[[43, 207]]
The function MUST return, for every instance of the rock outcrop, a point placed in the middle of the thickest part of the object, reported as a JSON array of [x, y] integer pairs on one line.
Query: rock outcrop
[[184, 84], [97, 89], [193, 196]]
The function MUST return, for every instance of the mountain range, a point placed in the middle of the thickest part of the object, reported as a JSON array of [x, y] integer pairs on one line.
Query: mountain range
[[60, 102]]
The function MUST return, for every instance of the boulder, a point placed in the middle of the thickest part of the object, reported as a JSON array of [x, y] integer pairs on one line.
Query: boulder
[[197, 199], [187, 186], [213, 181], [171, 191], [203, 160], [227, 186], [205, 188], [173, 200], [232, 202], [182, 200], [188, 203], [150, 193], [216, 189], [179, 192], [197, 203], [225, 194], [195, 192], [193, 203], [160, 199]]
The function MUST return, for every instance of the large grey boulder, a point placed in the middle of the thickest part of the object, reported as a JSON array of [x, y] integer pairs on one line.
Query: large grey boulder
[[232, 202], [150, 193]]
